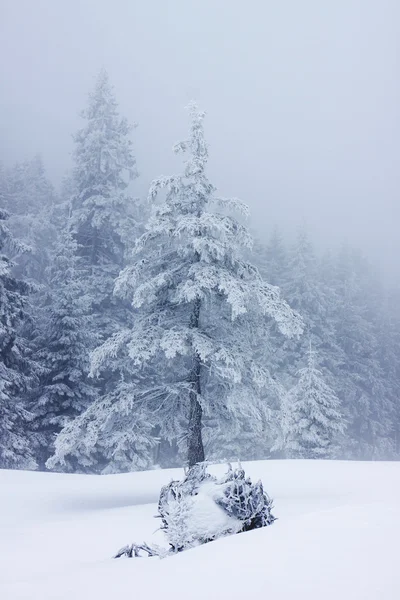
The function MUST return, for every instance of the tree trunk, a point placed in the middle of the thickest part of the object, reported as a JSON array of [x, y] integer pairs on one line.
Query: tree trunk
[[195, 440]]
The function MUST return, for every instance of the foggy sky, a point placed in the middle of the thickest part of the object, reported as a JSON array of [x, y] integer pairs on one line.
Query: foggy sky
[[302, 99]]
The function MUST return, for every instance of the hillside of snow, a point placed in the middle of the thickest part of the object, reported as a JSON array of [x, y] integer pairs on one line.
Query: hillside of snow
[[337, 537]]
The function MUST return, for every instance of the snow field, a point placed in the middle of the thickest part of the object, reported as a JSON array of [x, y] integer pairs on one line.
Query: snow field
[[336, 537]]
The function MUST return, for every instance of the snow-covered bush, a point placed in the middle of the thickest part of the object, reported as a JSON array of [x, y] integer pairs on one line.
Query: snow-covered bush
[[202, 508]]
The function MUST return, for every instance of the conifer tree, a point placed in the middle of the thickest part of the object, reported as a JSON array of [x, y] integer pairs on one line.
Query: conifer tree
[[360, 381], [198, 306], [273, 263], [389, 358], [3, 186], [30, 198], [15, 383], [312, 420], [306, 293], [302, 287], [62, 350], [101, 209]]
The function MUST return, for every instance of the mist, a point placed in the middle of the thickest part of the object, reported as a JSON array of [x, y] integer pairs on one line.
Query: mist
[[143, 344], [302, 100]]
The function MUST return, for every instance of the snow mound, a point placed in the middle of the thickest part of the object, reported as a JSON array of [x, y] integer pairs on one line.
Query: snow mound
[[202, 508]]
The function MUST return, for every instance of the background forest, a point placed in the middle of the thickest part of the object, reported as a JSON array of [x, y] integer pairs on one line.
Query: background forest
[[92, 351]]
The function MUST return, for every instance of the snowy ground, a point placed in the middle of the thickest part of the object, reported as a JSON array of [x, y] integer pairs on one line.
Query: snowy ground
[[337, 537]]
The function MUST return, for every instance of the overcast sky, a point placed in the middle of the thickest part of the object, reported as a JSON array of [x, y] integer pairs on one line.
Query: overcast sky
[[302, 99]]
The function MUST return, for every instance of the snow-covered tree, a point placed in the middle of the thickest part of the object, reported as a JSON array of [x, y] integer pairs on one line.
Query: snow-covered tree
[[15, 451], [312, 420], [389, 357], [198, 307], [361, 383], [101, 209], [30, 200], [29, 190], [102, 221], [62, 349], [303, 292], [272, 259], [3, 186]]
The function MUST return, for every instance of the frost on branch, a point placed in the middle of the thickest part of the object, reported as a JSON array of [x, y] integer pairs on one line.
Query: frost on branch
[[202, 508], [114, 434]]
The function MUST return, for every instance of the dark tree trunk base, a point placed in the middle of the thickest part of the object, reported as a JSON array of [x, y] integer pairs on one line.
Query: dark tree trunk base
[[195, 440]]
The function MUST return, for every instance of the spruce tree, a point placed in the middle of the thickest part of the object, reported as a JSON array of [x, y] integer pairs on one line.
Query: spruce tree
[[101, 209], [31, 199], [278, 354], [303, 291], [198, 307], [389, 357], [307, 292], [273, 259], [15, 451], [360, 381], [312, 421], [62, 350]]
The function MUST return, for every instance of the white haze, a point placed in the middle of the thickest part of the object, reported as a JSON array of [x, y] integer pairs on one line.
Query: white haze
[[302, 99]]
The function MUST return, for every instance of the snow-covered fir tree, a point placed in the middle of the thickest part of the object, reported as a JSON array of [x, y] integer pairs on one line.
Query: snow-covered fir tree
[[102, 220], [101, 208], [360, 381], [62, 343], [311, 418], [29, 190], [273, 263], [272, 259], [108, 433], [31, 199], [303, 291], [3, 186], [198, 307], [389, 358], [15, 451]]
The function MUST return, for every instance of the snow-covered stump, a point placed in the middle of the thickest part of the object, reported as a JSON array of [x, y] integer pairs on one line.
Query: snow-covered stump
[[202, 508]]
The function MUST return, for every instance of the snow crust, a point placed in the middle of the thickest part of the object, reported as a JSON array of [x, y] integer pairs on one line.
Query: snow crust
[[337, 536]]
